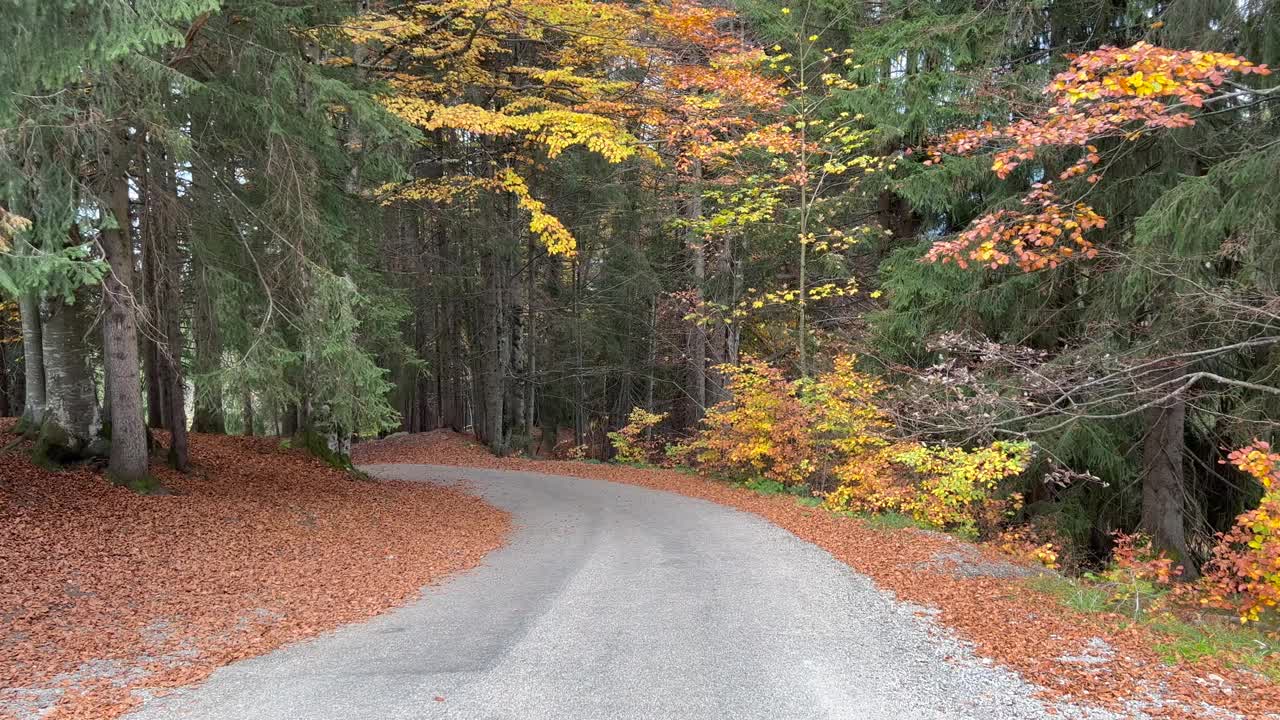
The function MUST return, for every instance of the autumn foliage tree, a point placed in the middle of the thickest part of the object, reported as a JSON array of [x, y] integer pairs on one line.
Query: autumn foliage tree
[[1110, 94], [1107, 107]]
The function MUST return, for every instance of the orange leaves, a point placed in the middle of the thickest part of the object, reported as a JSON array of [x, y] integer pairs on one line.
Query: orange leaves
[[1108, 93], [761, 430], [690, 22], [1044, 235], [258, 547], [1244, 572]]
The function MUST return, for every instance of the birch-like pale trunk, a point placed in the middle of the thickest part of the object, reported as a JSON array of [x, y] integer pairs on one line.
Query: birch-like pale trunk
[[71, 428], [33, 363]]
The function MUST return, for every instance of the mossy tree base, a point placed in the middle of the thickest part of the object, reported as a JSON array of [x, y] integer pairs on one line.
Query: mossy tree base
[[318, 445], [27, 427], [54, 446]]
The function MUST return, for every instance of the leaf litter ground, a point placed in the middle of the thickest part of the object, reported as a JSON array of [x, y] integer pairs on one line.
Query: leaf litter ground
[[106, 595]]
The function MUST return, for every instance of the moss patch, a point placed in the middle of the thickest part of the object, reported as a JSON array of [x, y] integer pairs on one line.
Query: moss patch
[[316, 444]]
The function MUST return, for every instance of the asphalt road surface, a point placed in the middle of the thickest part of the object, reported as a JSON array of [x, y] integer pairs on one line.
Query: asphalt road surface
[[613, 601]]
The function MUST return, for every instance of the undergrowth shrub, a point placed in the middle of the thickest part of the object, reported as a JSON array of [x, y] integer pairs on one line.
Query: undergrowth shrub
[[845, 420], [634, 442], [1029, 544], [830, 430], [871, 483], [1243, 573], [956, 487], [1139, 576], [760, 431]]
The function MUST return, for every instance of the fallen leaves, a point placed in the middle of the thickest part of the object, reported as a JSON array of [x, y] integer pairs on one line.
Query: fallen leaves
[[1021, 629], [104, 592]]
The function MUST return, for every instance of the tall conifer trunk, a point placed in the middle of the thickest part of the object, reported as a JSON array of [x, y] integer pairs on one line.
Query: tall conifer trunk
[[1163, 481], [7, 404], [246, 412], [168, 314], [696, 338], [207, 416], [128, 463], [152, 363]]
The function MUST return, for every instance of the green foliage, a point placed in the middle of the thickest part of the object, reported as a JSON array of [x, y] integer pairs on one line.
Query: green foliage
[[888, 520], [765, 486], [1211, 638], [1080, 595]]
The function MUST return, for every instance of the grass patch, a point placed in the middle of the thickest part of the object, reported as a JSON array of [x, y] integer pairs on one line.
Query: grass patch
[[886, 521], [1075, 594], [1218, 638], [765, 486], [1213, 636]]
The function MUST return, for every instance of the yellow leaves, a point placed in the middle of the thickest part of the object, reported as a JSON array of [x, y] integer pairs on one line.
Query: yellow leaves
[[10, 226], [442, 191], [550, 231], [556, 129], [553, 234], [631, 442]]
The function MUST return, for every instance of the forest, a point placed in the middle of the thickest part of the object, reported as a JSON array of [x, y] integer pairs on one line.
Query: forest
[[1007, 266]]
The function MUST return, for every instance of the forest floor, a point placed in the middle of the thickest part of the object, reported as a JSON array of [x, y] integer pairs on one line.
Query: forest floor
[[107, 597], [1010, 614]]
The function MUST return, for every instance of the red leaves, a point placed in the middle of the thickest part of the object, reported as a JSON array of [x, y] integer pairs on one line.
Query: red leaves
[[105, 591]]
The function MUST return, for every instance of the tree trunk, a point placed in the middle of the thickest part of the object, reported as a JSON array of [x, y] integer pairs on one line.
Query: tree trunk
[[152, 363], [71, 428], [33, 364], [495, 352], [1163, 486], [721, 343], [696, 337], [152, 360], [169, 313], [7, 405], [208, 415], [289, 420], [128, 464], [246, 412]]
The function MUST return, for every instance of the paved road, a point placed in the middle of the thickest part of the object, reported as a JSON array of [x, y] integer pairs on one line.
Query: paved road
[[614, 601]]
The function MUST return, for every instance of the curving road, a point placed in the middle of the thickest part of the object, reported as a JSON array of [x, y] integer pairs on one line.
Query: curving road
[[613, 601]]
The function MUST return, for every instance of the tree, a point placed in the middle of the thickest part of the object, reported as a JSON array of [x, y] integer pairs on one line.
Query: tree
[[1107, 101]]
